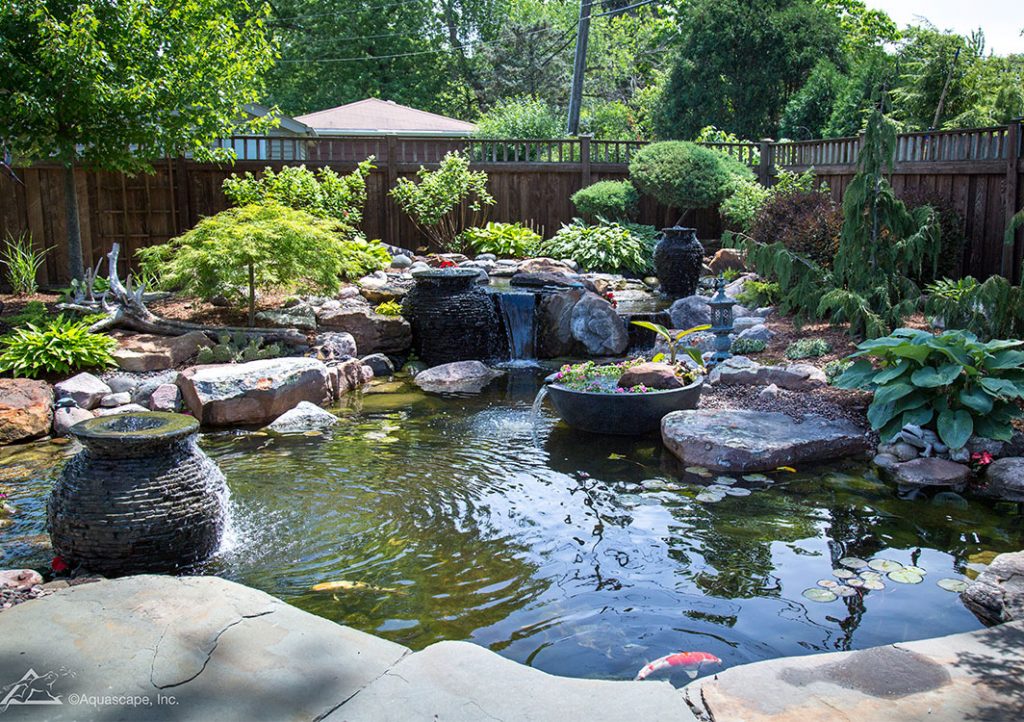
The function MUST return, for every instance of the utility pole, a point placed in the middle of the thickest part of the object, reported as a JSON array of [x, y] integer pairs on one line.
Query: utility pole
[[945, 90], [579, 67]]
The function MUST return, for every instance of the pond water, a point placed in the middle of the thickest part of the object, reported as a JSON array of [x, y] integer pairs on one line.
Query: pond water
[[455, 518]]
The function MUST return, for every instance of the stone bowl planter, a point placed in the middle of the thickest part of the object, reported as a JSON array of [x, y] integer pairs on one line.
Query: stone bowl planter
[[622, 414], [140, 497]]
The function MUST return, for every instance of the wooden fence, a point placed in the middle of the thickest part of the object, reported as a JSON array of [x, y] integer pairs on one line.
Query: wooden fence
[[978, 171]]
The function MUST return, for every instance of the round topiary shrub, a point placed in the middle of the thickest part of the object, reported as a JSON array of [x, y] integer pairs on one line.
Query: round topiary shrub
[[613, 200], [684, 175]]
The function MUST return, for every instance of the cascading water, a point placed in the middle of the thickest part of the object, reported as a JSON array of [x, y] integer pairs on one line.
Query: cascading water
[[519, 313]]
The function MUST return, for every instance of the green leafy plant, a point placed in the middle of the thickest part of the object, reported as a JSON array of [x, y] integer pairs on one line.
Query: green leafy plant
[[603, 379], [615, 200], [952, 383], [993, 309], [756, 294], [322, 193], [684, 175], [389, 308], [263, 247], [523, 117], [59, 346], [745, 200], [744, 346], [835, 368], [808, 348], [509, 240], [237, 348], [445, 201], [607, 247], [730, 274], [22, 262], [34, 312], [674, 341]]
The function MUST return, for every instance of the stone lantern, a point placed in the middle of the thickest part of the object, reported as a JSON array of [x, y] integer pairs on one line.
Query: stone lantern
[[721, 321]]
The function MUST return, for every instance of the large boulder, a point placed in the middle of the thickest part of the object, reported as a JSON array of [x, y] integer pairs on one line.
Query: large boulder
[[26, 409], [252, 393], [458, 376], [742, 441], [66, 417], [304, 417], [373, 332], [742, 371], [689, 312], [544, 265], [997, 595], [84, 389], [727, 259], [147, 352], [597, 326], [348, 376], [554, 327], [1004, 479], [931, 472], [652, 375], [550, 280], [300, 316], [334, 346]]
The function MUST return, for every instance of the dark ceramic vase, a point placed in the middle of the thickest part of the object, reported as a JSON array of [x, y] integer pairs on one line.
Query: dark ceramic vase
[[140, 497], [452, 318], [678, 259]]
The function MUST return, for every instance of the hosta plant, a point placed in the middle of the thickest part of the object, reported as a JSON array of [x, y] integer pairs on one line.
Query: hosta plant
[[60, 346], [952, 383], [606, 248], [508, 240]]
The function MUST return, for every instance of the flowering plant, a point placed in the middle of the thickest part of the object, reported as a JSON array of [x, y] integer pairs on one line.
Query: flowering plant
[[447, 263], [979, 460], [603, 379]]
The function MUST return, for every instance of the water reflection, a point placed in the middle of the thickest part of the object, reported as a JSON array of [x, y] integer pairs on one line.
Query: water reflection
[[581, 555]]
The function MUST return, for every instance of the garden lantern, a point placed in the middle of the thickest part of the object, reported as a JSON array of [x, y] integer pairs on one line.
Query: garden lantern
[[721, 321]]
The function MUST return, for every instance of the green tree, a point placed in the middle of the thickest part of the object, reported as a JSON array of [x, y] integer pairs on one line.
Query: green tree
[[808, 112], [739, 62], [520, 117], [115, 85]]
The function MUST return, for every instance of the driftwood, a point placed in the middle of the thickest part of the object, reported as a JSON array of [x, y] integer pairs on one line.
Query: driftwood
[[124, 308]]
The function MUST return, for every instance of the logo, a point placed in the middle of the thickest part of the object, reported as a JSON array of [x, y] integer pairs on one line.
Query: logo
[[32, 689]]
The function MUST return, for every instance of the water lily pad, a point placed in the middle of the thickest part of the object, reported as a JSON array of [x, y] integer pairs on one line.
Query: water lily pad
[[853, 562], [870, 576], [828, 583], [873, 584], [709, 497], [905, 576], [817, 594], [755, 478], [916, 570], [698, 471], [840, 573], [952, 585], [737, 491], [718, 488], [844, 591], [855, 582], [884, 565]]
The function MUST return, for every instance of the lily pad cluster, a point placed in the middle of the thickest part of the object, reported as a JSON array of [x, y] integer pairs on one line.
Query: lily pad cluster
[[857, 576], [724, 486]]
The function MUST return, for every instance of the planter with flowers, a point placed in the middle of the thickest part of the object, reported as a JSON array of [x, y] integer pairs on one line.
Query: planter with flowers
[[631, 397]]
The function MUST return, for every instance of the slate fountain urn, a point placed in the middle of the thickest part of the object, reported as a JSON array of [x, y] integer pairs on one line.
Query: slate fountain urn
[[140, 496], [678, 259]]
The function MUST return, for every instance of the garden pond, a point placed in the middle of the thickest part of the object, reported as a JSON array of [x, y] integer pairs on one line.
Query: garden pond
[[425, 518]]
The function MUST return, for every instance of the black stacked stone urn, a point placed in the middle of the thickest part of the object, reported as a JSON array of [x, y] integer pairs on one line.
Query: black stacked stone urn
[[452, 318], [140, 497], [678, 259]]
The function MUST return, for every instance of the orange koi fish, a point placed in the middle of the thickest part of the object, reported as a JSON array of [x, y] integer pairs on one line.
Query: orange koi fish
[[690, 661]]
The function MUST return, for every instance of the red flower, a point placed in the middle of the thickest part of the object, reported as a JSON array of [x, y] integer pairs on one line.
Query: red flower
[[58, 565], [981, 458], [445, 263]]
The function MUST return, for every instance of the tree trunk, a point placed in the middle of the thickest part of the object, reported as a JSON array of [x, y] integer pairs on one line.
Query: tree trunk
[[252, 296], [76, 269]]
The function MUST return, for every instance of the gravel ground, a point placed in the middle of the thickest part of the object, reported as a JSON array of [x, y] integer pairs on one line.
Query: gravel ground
[[829, 402]]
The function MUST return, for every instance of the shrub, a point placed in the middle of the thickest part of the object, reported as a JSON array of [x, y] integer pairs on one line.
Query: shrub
[[756, 294], [950, 229], [743, 346], [608, 120], [22, 262], [263, 247], [952, 383], [445, 201], [684, 175], [512, 240], [616, 200], [323, 193], [805, 222], [745, 200], [523, 117], [389, 308], [608, 248], [711, 134], [237, 348], [808, 348], [835, 368], [59, 346], [993, 309]]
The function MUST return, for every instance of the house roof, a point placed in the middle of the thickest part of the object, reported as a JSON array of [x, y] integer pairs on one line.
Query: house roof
[[374, 116]]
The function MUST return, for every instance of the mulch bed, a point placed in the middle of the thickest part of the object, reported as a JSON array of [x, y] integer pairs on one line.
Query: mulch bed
[[830, 402]]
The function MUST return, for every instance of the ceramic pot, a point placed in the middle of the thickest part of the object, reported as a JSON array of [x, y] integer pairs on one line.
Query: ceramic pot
[[678, 259]]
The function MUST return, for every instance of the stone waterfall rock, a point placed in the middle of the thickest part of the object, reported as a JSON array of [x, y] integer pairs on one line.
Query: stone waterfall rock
[[689, 312], [931, 472], [742, 441], [458, 376], [373, 332], [554, 327], [997, 595], [26, 409], [597, 326], [147, 352], [252, 393]]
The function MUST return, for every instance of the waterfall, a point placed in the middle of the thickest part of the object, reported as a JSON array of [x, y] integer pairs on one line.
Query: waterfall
[[519, 312], [542, 394]]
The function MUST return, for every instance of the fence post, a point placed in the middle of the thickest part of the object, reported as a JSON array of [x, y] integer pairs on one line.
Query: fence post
[[390, 225], [181, 183], [585, 160], [765, 170], [1006, 268]]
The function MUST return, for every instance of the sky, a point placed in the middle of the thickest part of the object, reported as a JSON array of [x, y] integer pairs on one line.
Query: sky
[[1002, 20]]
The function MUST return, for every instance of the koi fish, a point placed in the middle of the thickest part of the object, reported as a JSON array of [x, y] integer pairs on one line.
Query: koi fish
[[690, 661], [790, 469], [347, 586]]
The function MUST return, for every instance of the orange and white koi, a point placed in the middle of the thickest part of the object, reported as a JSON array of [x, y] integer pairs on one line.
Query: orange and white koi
[[689, 661]]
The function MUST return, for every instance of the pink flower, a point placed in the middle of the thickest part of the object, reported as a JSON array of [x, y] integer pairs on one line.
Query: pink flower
[[58, 565]]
